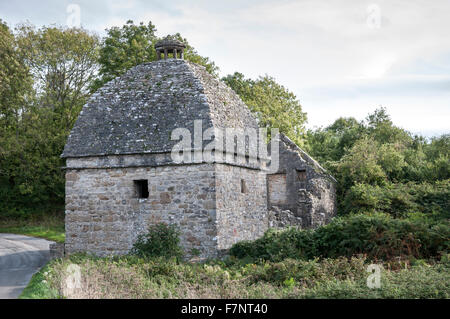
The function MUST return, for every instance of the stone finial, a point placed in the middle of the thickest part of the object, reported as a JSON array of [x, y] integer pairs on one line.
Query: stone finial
[[169, 45]]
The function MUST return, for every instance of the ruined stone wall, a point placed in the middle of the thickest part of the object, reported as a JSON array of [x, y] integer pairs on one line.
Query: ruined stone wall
[[308, 193], [323, 201], [241, 204], [103, 215]]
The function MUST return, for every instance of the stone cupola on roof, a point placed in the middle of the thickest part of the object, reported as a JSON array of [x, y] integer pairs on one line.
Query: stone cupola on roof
[[136, 112], [169, 45]]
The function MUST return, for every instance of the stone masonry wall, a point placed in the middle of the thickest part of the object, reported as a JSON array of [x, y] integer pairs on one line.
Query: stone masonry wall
[[308, 192], [241, 204], [104, 216], [323, 201]]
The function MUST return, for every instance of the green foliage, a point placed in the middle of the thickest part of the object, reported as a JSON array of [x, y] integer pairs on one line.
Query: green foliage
[[39, 287], [61, 64], [377, 236], [392, 154], [124, 48], [133, 277], [398, 200], [362, 164], [161, 240], [416, 282], [15, 82], [130, 45], [331, 144], [273, 104], [44, 225], [379, 166]]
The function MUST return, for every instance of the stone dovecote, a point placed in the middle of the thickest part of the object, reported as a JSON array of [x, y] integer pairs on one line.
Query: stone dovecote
[[121, 177]]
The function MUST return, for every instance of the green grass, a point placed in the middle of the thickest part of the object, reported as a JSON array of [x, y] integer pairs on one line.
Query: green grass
[[132, 277], [47, 226], [55, 234], [38, 287]]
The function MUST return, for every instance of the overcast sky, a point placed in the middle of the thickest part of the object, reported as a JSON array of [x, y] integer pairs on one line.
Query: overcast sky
[[341, 58]]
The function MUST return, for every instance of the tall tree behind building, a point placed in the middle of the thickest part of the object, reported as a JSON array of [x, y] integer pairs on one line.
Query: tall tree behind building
[[274, 105], [130, 45], [61, 63]]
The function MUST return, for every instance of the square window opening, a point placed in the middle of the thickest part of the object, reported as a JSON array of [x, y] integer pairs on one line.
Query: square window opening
[[141, 187], [243, 186], [301, 174]]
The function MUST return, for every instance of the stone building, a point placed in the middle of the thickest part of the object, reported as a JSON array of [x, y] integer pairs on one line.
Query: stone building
[[121, 175], [301, 193]]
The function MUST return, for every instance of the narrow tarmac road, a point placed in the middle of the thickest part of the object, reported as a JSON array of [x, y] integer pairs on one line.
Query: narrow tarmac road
[[20, 257]]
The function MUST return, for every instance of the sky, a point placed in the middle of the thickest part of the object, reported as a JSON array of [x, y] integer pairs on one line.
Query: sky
[[339, 57]]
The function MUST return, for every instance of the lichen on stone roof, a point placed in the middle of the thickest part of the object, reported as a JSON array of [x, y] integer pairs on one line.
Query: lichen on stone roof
[[136, 112]]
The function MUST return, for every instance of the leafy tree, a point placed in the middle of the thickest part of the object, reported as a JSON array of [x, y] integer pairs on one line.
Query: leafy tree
[[438, 153], [330, 144], [361, 164], [131, 45], [124, 48], [370, 156], [62, 63], [273, 104], [15, 81], [192, 55], [380, 127]]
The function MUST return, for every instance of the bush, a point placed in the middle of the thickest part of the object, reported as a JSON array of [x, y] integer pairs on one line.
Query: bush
[[161, 240], [378, 236], [305, 272], [277, 245], [399, 200]]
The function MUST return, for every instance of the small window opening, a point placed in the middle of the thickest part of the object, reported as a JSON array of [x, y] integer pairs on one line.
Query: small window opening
[[243, 186], [141, 187], [301, 174]]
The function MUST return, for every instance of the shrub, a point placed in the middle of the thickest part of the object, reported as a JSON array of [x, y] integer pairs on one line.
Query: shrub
[[378, 236], [161, 240], [276, 245], [400, 199], [305, 272]]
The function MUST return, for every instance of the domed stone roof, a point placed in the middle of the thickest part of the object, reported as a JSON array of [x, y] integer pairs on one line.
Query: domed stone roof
[[136, 112]]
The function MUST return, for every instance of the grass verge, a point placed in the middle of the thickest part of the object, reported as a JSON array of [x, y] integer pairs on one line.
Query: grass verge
[[38, 287], [47, 226], [132, 277]]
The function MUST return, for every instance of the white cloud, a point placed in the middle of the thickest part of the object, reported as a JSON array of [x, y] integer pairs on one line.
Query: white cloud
[[315, 48]]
